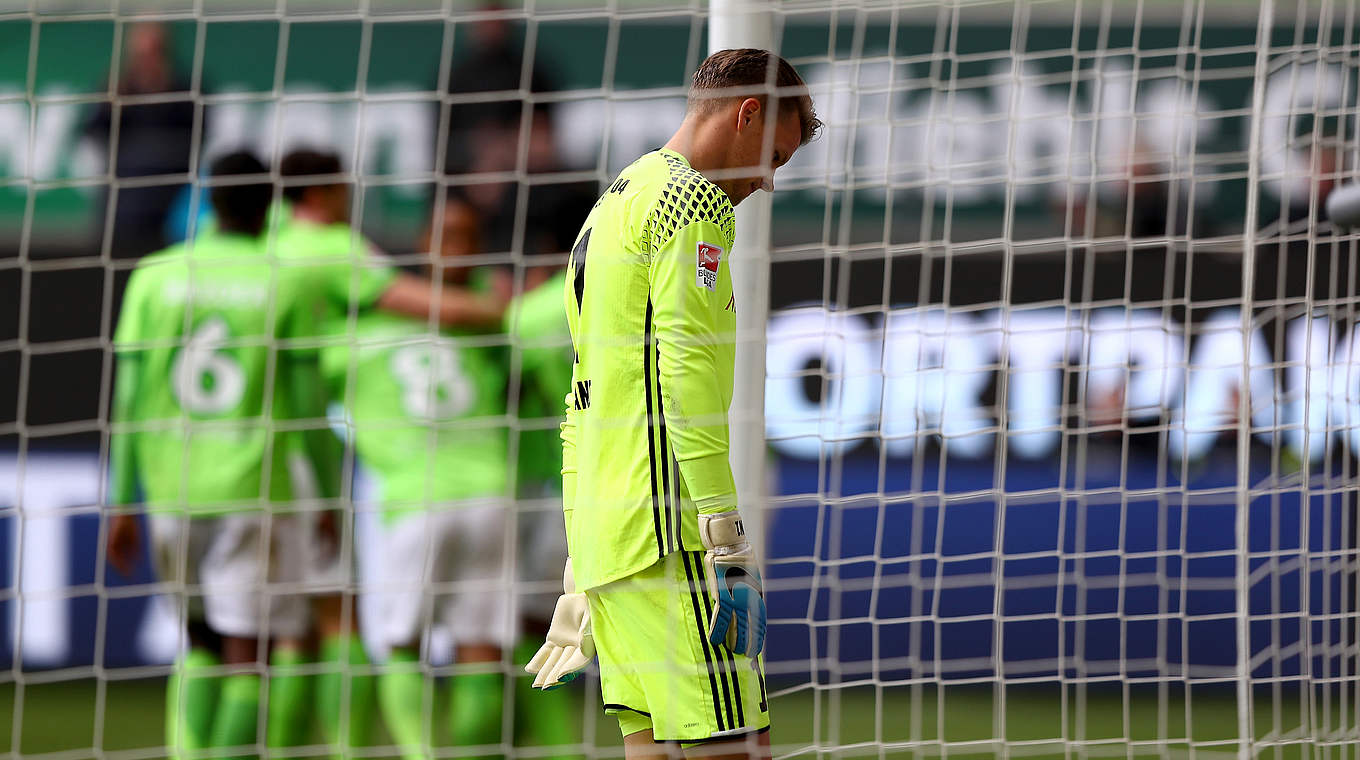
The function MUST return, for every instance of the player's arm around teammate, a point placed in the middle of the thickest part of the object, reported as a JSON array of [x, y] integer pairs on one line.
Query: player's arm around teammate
[[662, 581], [316, 187]]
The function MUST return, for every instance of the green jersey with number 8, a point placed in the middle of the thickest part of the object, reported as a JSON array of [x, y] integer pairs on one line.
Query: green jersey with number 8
[[212, 352], [426, 410]]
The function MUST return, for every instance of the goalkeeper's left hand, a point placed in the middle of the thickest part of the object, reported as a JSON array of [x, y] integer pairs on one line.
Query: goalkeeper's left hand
[[734, 583], [570, 646]]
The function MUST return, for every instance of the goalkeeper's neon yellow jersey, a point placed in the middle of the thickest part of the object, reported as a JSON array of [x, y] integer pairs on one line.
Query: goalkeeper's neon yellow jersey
[[653, 321]]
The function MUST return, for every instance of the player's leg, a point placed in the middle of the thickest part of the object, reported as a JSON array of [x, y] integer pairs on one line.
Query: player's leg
[[749, 747], [238, 707], [640, 745], [249, 575], [290, 693], [344, 689], [193, 687], [407, 550], [191, 695], [543, 718], [346, 695], [476, 696], [480, 617], [290, 680]]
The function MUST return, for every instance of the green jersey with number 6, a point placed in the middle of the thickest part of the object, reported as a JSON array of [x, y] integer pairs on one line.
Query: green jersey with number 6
[[212, 352], [427, 410]]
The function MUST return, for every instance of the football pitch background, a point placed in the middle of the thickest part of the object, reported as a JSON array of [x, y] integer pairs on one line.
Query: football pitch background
[[61, 718]]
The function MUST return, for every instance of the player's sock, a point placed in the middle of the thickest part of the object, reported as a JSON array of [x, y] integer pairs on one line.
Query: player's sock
[[545, 718], [343, 655], [401, 692], [289, 699], [191, 701], [476, 703], [237, 714]]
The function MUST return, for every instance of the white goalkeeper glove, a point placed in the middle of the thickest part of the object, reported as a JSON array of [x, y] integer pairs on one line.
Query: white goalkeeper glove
[[734, 582], [570, 646]]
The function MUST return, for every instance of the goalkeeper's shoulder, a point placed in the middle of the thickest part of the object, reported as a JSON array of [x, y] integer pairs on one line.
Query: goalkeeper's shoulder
[[684, 199]]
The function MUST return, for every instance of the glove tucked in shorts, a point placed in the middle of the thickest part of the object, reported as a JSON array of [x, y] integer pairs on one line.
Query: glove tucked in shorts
[[657, 669]]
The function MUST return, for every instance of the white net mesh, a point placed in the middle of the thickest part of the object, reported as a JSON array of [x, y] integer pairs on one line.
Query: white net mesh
[[1060, 398]]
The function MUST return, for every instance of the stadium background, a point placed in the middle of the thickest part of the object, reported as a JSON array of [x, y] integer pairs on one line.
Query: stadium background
[[829, 578]]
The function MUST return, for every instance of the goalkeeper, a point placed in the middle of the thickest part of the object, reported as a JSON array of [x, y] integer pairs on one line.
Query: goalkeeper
[[661, 581]]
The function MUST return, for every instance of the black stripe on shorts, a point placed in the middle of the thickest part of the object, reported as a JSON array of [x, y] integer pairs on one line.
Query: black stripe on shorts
[[701, 622], [730, 671], [703, 634]]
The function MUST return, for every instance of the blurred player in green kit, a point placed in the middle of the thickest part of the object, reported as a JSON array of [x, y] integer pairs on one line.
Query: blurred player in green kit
[[425, 410], [539, 337], [352, 281], [214, 362]]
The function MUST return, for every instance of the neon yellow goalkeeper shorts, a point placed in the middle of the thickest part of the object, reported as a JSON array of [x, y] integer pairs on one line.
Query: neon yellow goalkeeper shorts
[[657, 669]]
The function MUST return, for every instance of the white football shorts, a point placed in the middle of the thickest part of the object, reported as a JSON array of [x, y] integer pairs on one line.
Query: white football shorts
[[452, 565], [240, 573]]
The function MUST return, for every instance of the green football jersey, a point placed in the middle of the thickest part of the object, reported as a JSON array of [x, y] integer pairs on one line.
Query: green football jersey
[[426, 410], [347, 277], [212, 347], [538, 329], [653, 322]]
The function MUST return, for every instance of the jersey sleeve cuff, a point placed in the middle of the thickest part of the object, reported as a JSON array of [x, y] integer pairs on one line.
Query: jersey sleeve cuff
[[709, 481]]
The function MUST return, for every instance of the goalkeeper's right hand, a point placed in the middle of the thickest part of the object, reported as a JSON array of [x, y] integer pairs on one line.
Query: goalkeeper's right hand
[[570, 646]]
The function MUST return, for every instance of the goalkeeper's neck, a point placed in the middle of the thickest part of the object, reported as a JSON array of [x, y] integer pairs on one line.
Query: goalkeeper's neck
[[703, 141]]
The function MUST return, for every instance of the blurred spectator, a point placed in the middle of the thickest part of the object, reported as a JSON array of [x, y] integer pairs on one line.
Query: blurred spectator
[[495, 66], [485, 137], [151, 139], [1328, 166], [554, 210], [1148, 203]]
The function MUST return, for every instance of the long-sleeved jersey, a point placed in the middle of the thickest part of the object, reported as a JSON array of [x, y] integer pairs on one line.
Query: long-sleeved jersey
[[653, 323]]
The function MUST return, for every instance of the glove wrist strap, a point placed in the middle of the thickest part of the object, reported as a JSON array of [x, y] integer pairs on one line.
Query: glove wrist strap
[[724, 529]]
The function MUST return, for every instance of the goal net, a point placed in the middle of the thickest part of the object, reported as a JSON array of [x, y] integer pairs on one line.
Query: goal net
[[1057, 446]]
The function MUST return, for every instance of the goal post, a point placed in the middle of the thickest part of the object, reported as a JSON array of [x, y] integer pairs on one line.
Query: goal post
[[738, 24]]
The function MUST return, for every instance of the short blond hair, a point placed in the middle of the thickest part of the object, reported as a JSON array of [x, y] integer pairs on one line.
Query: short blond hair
[[747, 73]]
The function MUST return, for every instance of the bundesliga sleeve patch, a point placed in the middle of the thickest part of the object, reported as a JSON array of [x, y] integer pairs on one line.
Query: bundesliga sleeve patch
[[706, 272]]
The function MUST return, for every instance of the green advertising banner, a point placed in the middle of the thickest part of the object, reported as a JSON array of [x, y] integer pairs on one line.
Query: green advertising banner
[[941, 126]]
